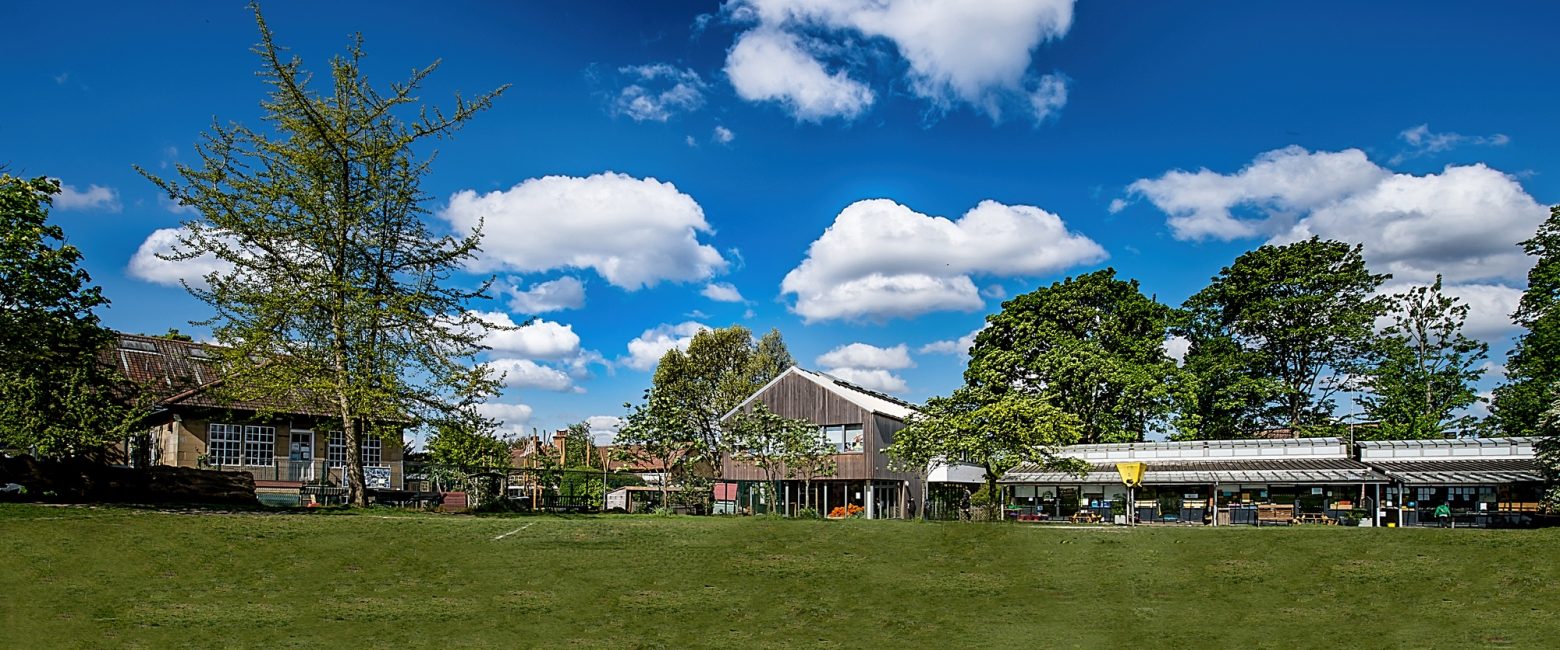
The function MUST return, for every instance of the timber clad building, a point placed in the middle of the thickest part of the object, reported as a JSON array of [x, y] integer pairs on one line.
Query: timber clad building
[[859, 424], [293, 451]]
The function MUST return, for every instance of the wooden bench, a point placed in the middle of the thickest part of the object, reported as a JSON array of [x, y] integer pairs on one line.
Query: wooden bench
[[1315, 518], [1272, 513]]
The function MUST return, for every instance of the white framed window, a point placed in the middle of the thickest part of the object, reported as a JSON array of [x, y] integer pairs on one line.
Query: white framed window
[[844, 438], [224, 444], [259, 446], [336, 449], [371, 450]]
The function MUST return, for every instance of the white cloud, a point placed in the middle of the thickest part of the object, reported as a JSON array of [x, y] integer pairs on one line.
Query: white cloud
[[525, 373], [1464, 222], [146, 265], [511, 418], [563, 293], [862, 355], [1117, 205], [1048, 97], [771, 65], [658, 92], [647, 349], [879, 380], [994, 291], [881, 260], [539, 339], [977, 54], [723, 135], [1422, 141], [691, 142], [722, 292], [633, 232], [1176, 347], [604, 428], [95, 197], [960, 346]]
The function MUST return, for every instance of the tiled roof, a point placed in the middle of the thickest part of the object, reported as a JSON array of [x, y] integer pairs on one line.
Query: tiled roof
[[183, 373]]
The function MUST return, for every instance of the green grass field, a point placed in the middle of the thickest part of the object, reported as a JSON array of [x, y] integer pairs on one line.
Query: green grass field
[[109, 577]]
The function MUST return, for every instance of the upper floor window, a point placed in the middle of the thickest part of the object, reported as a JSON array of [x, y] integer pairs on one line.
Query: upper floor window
[[844, 438]]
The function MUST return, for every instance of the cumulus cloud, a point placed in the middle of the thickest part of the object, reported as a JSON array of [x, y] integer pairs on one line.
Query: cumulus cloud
[[647, 349], [879, 380], [978, 54], [525, 373], [604, 428], [772, 65], [539, 339], [1422, 141], [1176, 347], [95, 197], [1464, 223], [633, 232], [868, 365], [658, 92], [511, 418], [146, 265], [553, 295], [722, 292], [863, 355], [959, 345], [723, 135], [882, 260]]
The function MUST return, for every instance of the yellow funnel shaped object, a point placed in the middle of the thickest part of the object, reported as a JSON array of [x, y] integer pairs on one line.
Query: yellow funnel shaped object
[[1131, 473]]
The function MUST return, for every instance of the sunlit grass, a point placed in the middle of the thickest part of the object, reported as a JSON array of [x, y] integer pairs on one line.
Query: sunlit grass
[[104, 577]]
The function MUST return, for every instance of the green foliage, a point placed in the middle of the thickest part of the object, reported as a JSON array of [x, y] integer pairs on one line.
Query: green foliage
[[55, 396], [678, 423], [464, 445], [778, 446], [331, 284], [1271, 335], [994, 433], [1091, 346], [1533, 367], [1422, 369]]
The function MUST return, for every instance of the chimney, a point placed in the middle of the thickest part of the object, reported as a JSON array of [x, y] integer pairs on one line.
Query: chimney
[[561, 441]]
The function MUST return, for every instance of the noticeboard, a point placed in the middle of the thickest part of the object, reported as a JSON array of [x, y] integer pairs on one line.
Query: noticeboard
[[376, 478]]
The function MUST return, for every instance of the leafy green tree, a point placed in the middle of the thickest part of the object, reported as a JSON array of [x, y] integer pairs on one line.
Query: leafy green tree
[[1423, 368], [1292, 318], [694, 389], [1533, 366], [334, 286], [770, 358], [809, 457], [992, 432], [464, 445], [653, 435], [767, 440], [1091, 346], [56, 398]]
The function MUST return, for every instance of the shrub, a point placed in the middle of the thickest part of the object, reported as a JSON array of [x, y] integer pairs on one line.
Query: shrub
[[848, 510]]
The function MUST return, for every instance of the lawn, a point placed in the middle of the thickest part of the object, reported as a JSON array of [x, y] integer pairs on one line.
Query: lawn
[[111, 577]]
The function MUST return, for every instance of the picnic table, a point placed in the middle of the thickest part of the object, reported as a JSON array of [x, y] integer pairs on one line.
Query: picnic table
[[1086, 517]]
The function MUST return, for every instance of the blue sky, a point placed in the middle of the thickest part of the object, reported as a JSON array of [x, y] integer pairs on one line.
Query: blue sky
[[1014, 143]]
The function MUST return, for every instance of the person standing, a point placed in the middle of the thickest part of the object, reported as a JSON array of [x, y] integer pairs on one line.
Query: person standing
[[1443, 514]]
